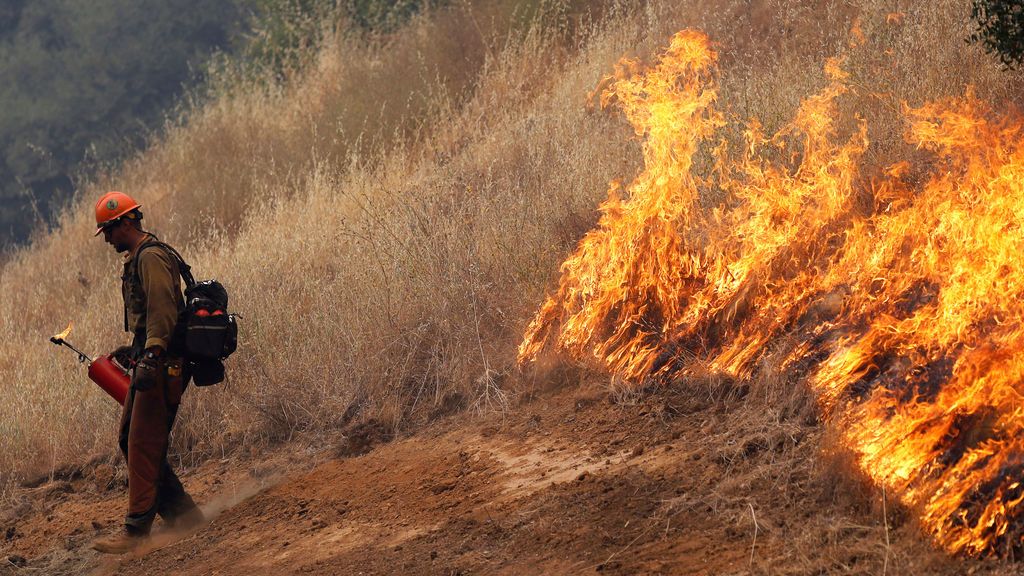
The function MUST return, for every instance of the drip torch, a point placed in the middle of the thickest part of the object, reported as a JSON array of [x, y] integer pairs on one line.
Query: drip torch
[[104, 370]]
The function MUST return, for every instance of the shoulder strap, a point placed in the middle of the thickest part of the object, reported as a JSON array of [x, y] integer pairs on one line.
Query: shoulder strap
[[183, 268]]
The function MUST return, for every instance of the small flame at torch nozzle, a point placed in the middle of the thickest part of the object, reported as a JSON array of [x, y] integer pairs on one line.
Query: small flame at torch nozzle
[[59, 338]]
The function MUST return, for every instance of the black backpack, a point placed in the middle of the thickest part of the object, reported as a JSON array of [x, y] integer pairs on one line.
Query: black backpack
[[206, 332]]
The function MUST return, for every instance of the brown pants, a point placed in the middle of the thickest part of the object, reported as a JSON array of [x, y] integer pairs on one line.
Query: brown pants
[[146, 422]]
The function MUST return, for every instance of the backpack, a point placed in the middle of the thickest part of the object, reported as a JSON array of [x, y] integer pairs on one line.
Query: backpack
[[206, 331]]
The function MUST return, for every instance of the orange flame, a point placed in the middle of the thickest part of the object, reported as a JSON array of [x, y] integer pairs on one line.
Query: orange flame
[[909, 313], [856, 34], [65, 333]]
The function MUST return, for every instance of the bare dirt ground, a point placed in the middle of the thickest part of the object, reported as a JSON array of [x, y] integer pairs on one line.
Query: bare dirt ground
[[702, 480]]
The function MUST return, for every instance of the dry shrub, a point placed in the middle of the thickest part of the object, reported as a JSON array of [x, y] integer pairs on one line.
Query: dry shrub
[[784, 484], [362, 96], [341, 211]]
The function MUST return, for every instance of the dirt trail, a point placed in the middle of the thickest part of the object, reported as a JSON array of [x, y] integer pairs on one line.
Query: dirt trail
[[567, 483]]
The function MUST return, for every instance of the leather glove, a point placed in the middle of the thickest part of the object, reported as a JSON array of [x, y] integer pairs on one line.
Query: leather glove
[[147, 371], [123, 355]]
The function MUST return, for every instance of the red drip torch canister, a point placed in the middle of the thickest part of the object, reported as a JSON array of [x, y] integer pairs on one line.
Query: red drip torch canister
[[110, 377]]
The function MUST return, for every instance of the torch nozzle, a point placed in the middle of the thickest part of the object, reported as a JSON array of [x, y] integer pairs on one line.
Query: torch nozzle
[[104, 370], [59, 340]]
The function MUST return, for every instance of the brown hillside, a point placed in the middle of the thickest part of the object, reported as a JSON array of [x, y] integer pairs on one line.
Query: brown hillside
[[388, 222]]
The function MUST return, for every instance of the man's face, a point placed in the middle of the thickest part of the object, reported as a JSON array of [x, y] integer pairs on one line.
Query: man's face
[[116, 235]]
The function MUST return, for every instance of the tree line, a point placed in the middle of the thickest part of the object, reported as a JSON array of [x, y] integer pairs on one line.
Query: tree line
[[84, 84]]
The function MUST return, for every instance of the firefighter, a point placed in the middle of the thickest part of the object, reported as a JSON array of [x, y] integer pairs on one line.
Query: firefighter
[[151, 288]]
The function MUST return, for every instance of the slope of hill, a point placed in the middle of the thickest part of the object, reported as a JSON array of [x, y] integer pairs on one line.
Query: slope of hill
[[713, 480]]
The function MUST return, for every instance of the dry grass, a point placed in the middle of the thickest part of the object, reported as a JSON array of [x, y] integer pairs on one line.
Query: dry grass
[[328, 209], [387, 223]]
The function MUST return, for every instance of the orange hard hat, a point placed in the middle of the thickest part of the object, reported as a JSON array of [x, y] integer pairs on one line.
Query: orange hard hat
[[112, 206]]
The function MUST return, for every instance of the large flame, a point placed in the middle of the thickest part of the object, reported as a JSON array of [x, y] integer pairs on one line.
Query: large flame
[[905, 294]]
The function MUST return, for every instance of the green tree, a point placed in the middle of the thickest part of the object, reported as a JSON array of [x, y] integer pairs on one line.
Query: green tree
[[83, 81], [286, 32]]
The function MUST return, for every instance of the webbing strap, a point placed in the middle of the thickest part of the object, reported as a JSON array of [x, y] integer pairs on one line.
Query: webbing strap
[[183, 268]]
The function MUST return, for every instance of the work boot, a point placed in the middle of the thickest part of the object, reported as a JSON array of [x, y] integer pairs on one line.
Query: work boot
[[124, 541]]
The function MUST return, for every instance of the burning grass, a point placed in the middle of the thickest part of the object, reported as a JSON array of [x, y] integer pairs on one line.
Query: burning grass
[[903, 293], [387, 223]]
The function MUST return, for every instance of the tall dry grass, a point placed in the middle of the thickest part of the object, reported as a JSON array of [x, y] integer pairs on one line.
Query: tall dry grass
[[387, 223]]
